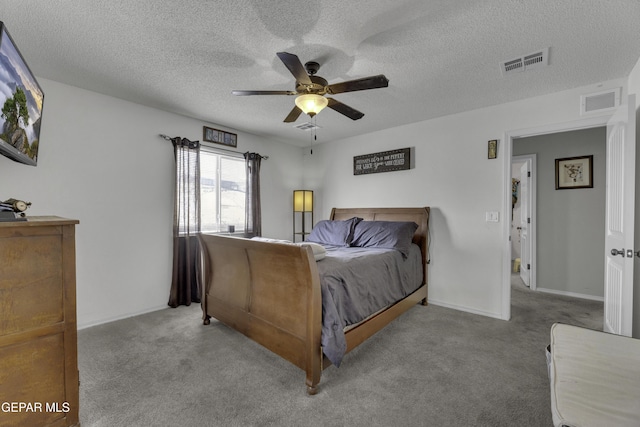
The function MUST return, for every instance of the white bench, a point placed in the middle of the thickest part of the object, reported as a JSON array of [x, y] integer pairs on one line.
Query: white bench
[[594, 378]]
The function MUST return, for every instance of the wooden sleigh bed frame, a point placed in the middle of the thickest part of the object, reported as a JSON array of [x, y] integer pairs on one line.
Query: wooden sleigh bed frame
[[271, 292]]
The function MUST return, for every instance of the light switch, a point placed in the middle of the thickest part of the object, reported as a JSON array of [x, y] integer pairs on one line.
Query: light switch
[[492, 216]]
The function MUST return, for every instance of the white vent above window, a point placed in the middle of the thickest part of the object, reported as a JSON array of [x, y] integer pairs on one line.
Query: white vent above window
[[600, 102], [531, 61]]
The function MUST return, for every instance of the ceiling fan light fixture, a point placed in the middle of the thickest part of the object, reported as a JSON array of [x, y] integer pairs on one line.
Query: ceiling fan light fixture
[[311, 103]]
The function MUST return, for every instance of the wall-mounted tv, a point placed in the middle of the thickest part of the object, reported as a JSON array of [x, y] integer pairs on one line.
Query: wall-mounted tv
[[21, 100]]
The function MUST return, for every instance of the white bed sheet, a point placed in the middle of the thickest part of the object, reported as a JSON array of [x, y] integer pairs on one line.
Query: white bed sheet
[[594, 378]]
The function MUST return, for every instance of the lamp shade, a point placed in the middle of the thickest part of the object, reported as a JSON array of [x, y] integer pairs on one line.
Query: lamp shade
[[302, 201], [311, 103]]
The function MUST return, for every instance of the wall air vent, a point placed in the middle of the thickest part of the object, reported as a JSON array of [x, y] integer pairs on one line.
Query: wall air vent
[[600, 102], [306, 126], [531, 61]]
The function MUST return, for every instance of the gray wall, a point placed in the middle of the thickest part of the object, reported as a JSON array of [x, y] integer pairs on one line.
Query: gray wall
[[571, 223]]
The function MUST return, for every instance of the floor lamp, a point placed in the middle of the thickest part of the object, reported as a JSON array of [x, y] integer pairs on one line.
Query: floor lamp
[[303, 204]]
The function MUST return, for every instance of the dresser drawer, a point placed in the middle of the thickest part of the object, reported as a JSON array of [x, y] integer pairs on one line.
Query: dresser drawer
[[31, 283], [32, 373]]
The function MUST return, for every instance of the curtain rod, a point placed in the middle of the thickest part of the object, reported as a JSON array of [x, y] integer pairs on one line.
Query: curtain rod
[[221, 149]]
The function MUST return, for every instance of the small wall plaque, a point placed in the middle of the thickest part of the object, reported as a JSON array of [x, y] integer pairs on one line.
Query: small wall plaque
[[219, 136], [492, 149], [385, 161]]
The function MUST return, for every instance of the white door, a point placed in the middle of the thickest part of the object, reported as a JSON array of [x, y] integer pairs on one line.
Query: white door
[[618, 276], [525, 242]]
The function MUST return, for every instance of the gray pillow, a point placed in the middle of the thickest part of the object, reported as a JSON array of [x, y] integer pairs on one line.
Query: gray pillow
[[384, 234], [335, 233]]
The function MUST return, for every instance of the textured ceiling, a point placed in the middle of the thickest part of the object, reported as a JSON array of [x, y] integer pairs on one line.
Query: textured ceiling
[[441, 57]]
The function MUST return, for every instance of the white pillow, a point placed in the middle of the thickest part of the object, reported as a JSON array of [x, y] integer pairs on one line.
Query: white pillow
[[319, 252], [266, 239]]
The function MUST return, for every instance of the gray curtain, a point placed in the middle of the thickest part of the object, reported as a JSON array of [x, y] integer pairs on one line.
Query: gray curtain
[[253, 215], [185, 282]]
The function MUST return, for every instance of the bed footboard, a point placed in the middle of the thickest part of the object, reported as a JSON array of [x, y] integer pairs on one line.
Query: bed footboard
[[268, 291]]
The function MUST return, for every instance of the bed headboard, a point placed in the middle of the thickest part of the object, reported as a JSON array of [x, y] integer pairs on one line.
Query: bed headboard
[[418, 215]]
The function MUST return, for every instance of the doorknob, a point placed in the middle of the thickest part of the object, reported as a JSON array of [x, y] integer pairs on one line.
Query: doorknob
[[615, 252]]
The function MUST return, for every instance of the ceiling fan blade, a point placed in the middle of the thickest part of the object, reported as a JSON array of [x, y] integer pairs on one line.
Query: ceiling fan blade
[[293, 64], [373, 82], [341, 108], [263, 92], [293, 115]]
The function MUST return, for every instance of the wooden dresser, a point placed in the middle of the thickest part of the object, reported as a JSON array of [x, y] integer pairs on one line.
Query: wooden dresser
[[38, 335]]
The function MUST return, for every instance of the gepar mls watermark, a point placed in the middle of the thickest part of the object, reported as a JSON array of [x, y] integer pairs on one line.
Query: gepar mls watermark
[[13, 407]]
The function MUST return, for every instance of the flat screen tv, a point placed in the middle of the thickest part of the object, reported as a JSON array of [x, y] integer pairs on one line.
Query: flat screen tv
[[21, 100]]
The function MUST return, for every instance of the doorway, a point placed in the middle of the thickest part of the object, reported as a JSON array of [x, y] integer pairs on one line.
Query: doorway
[[564, 266], [523, 218], [569, 232]]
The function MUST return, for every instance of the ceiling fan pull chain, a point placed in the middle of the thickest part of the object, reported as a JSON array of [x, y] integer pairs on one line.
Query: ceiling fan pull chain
[[311, 137]]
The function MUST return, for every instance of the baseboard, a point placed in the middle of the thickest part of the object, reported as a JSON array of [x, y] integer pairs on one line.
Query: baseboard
[[571, 294], [120, 317], [465, 309]]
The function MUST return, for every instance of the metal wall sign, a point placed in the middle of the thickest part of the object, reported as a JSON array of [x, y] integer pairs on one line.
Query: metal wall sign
[[385, 161]]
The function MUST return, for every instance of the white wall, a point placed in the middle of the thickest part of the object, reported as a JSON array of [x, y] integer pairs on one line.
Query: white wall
[[453, 176], [102, 162], [570, 223]]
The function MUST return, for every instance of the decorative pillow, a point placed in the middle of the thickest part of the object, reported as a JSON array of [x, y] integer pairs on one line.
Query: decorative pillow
[[335, 233], [319, 252], [384, 234]]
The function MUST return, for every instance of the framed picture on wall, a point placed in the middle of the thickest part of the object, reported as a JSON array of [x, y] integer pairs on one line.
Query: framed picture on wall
[[574, 172]]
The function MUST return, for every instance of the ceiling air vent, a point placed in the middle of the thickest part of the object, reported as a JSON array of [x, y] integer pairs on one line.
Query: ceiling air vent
[[531, 61], [600, 102], [306, 126]]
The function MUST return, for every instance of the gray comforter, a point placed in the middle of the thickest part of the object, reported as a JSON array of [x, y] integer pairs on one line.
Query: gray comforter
[[357, 282]]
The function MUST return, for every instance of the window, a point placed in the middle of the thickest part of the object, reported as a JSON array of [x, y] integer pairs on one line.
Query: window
[[223, 184]]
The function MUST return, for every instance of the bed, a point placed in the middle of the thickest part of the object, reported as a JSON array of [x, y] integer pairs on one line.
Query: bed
[[271, 292], [594, 378]]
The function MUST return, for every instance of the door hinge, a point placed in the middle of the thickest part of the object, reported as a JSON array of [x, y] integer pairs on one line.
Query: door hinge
[[528, 220], [528, 266], [528, 174]]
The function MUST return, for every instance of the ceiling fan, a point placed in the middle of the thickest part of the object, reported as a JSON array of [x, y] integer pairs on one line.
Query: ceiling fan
[[310, 89]]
